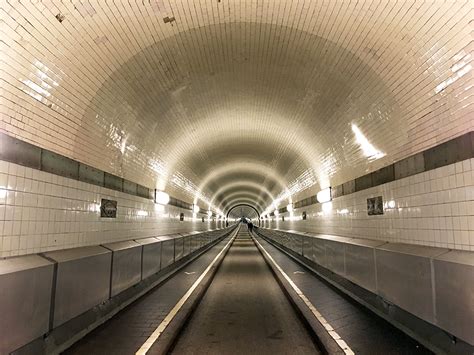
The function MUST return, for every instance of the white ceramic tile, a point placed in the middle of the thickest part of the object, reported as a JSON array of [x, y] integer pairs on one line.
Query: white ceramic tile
[[58, 217], [444, 218], [121, 90], [150, 108]]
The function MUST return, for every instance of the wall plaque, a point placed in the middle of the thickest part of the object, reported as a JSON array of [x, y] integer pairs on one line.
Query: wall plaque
[[375, 206], [108, 208]]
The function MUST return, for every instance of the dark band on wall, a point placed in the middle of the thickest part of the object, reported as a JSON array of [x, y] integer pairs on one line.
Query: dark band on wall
[[447, 153], [26, 154], [19, 152]]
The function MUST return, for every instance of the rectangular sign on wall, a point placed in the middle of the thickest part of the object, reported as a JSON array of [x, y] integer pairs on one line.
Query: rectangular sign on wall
[[108, 208], [375, 206]]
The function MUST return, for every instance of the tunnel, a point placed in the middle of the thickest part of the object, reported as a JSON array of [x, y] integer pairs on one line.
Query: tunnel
[[236, 177]]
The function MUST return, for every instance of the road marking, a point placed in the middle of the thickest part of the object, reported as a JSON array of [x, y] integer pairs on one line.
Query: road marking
[[342, 344], [190, 273], [159, 330], [298, 272]]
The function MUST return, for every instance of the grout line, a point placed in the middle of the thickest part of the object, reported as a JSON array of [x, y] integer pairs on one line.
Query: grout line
[[169, 317], [340, 342]]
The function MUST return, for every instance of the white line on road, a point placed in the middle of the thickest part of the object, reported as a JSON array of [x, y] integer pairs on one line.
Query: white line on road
[[342, 344], [159, 330]]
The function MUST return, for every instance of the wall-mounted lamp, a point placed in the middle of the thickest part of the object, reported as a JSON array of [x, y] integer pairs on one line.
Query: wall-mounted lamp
[[324, 195], [162, 197], [290, 208], [195, 208]]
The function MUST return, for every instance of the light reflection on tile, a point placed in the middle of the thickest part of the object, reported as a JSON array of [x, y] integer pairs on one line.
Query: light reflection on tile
[[66, 214], [166, 104], [417, 209], [114, 86]]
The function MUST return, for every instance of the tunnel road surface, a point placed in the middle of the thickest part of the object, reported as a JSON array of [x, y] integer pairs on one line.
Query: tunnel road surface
[[127, 331], [244, 311]]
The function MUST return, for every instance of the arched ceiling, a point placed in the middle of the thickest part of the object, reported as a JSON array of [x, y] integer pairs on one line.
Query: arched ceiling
[[289, 96], [242, 209], [230, 198]]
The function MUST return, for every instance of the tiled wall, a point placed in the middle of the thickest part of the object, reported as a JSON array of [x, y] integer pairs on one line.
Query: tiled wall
[[433, 208], [40, 211], [116, 87]]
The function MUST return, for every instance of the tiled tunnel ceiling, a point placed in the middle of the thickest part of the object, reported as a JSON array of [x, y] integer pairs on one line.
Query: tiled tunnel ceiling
[[243, 210], [236, 101]]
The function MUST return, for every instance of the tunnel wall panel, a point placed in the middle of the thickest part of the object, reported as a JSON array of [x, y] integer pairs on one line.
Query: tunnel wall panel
[[25, 300], [193, 241], [126, 265], [454, 287], [404, 278], [59, 165], [113, 182], [187, 245], [433, 284], [334, 256], [129, 187], [22, 153], [42, 293], [54, 212], [409, 166], [82, 280], [178, 247], [319, 252], [384, 175], [151, 256], [167, 253], [91, 175], [307, 247], [360, 266], [432, 208]]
